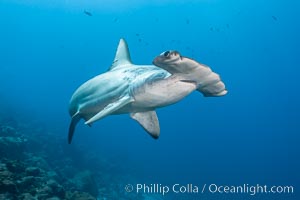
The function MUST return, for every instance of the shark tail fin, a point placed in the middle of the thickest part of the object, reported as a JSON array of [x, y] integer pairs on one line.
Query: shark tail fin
[[122, 56], [75, 119]]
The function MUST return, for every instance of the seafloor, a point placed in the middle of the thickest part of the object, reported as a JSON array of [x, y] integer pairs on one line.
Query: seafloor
[[36, 163]]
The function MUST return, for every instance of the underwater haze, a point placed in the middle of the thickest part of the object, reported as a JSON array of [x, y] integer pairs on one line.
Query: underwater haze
[[248, 138]]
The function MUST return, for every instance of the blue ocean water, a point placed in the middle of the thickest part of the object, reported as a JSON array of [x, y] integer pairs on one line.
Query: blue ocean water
[[250, 136]]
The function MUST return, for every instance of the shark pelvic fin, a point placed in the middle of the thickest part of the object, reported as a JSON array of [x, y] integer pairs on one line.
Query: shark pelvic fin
[[110, 108], [149, 121], [75, 119], [122, 56]]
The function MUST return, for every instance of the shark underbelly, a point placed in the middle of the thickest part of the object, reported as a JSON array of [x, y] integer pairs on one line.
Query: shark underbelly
[[161, 93]]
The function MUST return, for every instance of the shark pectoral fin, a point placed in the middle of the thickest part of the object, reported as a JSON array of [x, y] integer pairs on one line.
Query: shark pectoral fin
[[110, 108], [75, 119], [149, 121]]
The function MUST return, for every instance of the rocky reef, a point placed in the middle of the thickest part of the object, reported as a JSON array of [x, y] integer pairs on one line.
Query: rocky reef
[[38, 165]]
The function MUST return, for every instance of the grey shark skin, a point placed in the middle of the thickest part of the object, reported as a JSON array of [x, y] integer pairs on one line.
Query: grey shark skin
[[140, 89]]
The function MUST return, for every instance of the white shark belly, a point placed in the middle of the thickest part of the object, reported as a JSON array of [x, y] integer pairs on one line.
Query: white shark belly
[[161, 93]]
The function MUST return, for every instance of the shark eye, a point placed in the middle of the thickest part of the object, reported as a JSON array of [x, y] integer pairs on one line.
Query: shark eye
[[166, 53]]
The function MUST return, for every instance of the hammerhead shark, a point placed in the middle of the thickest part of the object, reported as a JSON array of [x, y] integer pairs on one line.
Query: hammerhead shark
[[140, 89]]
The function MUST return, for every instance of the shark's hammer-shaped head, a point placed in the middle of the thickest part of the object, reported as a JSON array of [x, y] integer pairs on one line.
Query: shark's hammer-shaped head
[[189, 70], [173, 62]]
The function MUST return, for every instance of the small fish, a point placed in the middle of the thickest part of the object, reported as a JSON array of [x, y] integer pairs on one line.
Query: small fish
[[274, 18], [88, 13]]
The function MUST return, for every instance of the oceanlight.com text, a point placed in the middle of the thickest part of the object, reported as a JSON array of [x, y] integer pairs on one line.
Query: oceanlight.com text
[[249, 189], [177, 188]]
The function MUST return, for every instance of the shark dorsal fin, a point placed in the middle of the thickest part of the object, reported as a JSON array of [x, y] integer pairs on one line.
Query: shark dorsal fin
[[122, 55]]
